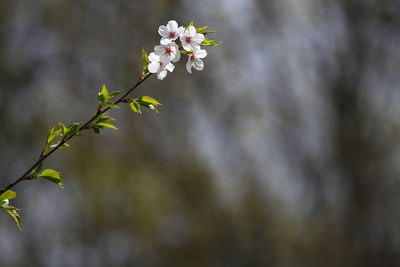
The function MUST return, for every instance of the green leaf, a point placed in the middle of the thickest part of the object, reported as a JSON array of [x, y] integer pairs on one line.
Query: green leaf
[[134, 105], [208, 42], [52, 135], [39, 167], [96, 129], [113, 94], [190, 24], [111, 105], [201, 30], [35, 172], [52, 176], [8, 195], [150, 100], [186, 52], [102, 97], [145, 59], [65, 145], [102, 124], [14, 213], [73, 129], [4, 202], [105, 119], [63, 128], [152, 107], [104, 91]]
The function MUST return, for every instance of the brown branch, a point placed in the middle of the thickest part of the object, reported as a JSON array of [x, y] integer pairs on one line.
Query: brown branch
[[27, 175]]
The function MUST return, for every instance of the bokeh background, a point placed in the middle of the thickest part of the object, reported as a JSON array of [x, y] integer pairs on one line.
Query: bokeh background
[[284, 151]]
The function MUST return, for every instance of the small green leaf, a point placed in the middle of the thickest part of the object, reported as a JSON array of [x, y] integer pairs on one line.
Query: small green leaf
[[113, 94], [4, 202], [201, 30], [8, 195], [186, 52], [39, 167], [96, 129], [65, 145], [13, 212], [152, 107], [111, 105], [73, 129], [52, 176], [52, 134], [104, 91], [208, 42], [190, 24], [35, 172], [105, 119], [102, 124], [134, 105], [63, 128], [145, 59], [150, 100], [102, 97]]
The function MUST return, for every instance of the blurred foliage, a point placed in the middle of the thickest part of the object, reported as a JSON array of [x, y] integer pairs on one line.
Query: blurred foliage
[[282, 152]]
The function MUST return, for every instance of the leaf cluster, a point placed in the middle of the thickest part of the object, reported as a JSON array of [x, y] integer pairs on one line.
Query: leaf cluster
[[59, 134], [144, 101], [101, 122], [104, 98], [13, 211]]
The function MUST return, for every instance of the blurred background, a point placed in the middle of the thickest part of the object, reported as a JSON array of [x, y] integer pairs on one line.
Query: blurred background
[[284, 151]]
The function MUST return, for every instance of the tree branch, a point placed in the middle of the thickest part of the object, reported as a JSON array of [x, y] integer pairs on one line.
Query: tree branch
[[85, 126]]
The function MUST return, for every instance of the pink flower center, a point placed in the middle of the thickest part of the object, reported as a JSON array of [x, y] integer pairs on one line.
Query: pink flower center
[[168, 50], [188, 39], [171, 34], [192, 57], [161, 64]]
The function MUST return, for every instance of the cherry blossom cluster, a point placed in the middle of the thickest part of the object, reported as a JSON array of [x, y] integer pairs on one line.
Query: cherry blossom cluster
[[169, 52]]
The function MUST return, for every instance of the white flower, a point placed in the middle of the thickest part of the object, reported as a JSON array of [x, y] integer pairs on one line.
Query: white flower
[[195, 60], [168, 52], [191, 40], [170, 32], [157, 66]]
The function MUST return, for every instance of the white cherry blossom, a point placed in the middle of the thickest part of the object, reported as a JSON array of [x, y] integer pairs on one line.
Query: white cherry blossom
[[191, 40], [168, 52], [170, 32], [157, 66], [195, 60]]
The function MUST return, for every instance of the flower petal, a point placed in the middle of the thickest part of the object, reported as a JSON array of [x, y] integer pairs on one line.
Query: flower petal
[[172, 26], [189, 66], [159, 49], [170, 67], [201, 53], [176, 57], [198, 38], [191, 31], [180, 31], [165, 41], [161, 74], [195, 46], [165, 59], [153, 67], [198, 64], [153, 57], [186, 46], [163, 31]]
